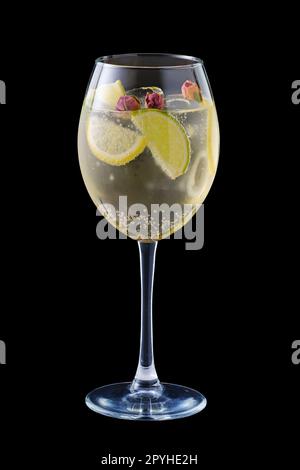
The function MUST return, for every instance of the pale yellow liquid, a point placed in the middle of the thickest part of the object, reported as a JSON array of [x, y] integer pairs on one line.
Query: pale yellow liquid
[[143, 181]]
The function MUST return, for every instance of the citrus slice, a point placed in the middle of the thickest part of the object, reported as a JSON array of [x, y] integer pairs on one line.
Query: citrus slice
[[166, 138], [108, 94], [111, 142], [213, 140]]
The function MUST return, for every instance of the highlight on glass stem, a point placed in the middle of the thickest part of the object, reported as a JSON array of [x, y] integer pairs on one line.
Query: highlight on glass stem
[[153, 136]]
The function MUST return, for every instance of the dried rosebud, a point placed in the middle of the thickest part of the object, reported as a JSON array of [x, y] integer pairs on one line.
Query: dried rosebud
[[154, 100], [128, 103], [191, 91]]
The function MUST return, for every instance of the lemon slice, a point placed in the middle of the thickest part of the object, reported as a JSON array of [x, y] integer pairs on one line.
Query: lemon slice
[[166, 138], [111, 142], [213, 140], [107, 94]]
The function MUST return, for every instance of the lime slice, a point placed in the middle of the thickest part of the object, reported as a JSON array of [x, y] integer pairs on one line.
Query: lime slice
[[111, 142], [108, 94], [166, 138]]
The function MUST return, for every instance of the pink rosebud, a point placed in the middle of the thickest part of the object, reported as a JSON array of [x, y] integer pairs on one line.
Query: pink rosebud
[[191, 91], [128, 103], [154, 100]]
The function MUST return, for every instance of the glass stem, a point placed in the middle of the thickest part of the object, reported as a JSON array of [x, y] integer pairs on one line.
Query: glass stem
[[146, 376]]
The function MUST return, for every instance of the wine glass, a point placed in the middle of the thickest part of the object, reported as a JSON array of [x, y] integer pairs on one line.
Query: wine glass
[[148, 147]]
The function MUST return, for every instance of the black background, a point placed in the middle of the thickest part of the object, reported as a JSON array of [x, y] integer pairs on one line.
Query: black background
[[225, 316]]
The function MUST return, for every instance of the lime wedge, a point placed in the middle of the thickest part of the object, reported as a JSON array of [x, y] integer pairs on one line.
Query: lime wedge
[[111, 142], [166, 138], [108, 94]]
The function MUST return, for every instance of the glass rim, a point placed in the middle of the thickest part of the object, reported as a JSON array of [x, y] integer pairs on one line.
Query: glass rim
[[192, 60]]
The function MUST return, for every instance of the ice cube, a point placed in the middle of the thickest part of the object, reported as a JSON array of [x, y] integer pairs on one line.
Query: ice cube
[[197, 176], [141, 93], [177, 102], [94, 102]]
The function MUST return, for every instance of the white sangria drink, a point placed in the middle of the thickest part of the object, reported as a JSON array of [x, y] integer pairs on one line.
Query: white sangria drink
[[158, 151], [148, 146]]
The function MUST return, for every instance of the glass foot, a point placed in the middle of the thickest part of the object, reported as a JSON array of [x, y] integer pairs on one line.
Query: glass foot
[[168, 402]]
